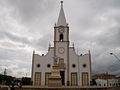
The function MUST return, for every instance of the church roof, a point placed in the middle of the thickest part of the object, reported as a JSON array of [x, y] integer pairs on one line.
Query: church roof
[[61, 18]]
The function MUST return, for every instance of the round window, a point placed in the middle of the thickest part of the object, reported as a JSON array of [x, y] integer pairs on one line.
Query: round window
[[48, 65], [84, 65], [38, 65], [73, 65]]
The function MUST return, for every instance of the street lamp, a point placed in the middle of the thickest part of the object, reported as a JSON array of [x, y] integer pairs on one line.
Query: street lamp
[[115, 56]]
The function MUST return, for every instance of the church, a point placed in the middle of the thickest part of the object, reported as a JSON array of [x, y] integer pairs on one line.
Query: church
[[75, 70]]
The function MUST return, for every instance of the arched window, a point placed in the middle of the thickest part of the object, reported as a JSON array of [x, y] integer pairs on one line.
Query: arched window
[[61, 37]]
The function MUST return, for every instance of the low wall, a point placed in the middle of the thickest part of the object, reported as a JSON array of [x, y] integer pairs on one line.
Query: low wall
[[3, 88], [69, 88], [64, 88]]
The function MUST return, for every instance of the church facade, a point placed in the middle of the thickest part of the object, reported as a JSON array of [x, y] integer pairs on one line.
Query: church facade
[[75, 70]]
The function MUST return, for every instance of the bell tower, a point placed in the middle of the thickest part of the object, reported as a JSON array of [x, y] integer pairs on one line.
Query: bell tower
[[61, 41], [61, 29]]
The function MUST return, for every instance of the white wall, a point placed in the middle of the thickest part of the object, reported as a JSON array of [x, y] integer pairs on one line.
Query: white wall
[[43, 61], [107, 82], [73, 59], [79, 61], [84, 59]]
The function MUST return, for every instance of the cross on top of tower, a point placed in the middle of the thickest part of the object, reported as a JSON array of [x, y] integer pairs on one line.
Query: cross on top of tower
[[61, 18], [61, 3]]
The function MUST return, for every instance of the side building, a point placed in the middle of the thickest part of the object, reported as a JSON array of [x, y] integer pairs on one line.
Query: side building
[[106, 79], [74, 69]]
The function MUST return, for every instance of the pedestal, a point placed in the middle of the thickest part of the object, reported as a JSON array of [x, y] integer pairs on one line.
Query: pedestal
[[55, 78]]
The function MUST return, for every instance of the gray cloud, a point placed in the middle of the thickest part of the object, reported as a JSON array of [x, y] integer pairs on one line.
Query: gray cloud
[[13, 37], [43, 42], [110, 39], [27, 25], [28, 11]]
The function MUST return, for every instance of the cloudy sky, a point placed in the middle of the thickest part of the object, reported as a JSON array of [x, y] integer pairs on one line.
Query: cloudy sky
[[27, 25]]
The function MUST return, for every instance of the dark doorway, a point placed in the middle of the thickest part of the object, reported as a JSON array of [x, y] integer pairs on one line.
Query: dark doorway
[[61, 37], [62, 74]]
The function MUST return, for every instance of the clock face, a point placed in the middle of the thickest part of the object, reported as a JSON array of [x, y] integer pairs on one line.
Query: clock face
[[61, 50], [61, 30]]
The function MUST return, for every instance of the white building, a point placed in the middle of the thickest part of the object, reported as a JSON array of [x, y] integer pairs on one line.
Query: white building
[[108, 82], [74, 69]]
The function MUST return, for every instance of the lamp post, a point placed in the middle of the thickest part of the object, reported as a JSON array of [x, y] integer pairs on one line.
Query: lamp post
[[115, 56]]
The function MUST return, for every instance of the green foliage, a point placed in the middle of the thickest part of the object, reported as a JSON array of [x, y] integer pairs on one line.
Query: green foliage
[[93, 82], [26, 81], [4, 79], [8, 80], [16, 82]]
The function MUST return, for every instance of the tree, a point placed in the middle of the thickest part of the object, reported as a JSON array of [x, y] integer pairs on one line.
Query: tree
[[26, 81], [6, 80], [93, 82]]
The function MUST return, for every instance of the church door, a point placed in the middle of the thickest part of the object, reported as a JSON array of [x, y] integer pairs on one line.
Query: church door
[[85, 80], [47, 75], [62, 74], [74, 78], [37, 80]]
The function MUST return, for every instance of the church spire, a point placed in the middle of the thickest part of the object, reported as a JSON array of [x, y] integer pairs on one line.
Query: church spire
[[61, 18]]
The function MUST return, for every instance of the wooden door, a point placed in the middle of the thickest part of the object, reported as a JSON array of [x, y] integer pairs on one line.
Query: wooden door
[[47, 75], [85, 79], [74, 78], [37, 80]]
